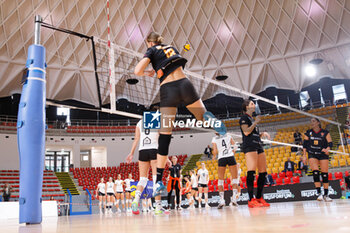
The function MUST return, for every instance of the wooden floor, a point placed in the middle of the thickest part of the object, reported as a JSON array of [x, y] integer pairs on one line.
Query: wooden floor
[[307, 216]]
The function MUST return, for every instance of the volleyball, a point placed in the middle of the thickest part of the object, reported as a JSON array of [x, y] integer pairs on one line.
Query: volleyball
[[187, 47]]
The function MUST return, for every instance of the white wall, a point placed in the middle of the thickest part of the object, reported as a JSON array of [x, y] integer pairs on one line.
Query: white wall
[[9, 158], [99, 157], [116, 148]]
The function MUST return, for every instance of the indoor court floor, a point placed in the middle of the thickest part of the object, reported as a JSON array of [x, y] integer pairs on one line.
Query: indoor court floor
[[306, 216]]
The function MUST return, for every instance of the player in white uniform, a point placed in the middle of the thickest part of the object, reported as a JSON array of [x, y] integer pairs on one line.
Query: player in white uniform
[[110, 194], [203, 179], [194, 191], [101, 194], [128, 192], [224, 150], [119, 193], [148, 147]]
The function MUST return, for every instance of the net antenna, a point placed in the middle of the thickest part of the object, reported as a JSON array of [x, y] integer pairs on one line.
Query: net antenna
[[111, 62]]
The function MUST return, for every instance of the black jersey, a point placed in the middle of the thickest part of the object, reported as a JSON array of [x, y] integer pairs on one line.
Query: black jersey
[[317, 141], [253, 139], [175, 170], [165, 59]]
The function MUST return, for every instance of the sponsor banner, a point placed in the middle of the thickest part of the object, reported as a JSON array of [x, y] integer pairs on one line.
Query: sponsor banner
[[281, 193]]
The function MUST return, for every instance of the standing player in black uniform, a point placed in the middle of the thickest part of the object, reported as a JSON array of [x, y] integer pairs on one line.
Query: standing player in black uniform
[[318, 142], [174, 182], [254, 153], [175, 89]]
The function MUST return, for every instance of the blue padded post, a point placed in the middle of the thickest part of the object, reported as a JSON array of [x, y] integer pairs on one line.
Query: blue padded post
[[31, 137]]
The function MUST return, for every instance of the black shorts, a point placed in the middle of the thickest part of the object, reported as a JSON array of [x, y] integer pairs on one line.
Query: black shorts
[[202, 186], [148, 155], [101, 194], [110, 194], [120, 192], [195, 189], [322, 156], [258, 149], [178, 92], [230, 161], [128, 191]]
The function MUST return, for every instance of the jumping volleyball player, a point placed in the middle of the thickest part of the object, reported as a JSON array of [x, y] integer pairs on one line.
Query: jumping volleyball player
[[148, 144], [254, 153], [223, 148], [318, 142], [175, 89]]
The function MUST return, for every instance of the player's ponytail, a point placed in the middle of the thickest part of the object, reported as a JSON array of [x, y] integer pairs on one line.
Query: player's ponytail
[[155, 37]]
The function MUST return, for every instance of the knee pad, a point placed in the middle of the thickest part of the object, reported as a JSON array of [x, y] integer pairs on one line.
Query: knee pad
[[163, 144], [324, 177], [206, 195], [235, 181], [316, 175], [143, 181], [220, 182], [122, 202]]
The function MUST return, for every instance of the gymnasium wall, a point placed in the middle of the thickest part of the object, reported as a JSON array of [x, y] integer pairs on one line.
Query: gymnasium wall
[[117, 148]]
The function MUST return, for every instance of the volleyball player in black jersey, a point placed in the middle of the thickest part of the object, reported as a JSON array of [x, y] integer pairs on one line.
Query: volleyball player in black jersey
[[318, 142], [175, 89], [254, 153]]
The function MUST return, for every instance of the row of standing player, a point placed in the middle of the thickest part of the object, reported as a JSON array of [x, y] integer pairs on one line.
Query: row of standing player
[[114, 192]]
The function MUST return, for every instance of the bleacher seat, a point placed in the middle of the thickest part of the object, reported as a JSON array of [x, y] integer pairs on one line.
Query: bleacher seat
[[279, 181]]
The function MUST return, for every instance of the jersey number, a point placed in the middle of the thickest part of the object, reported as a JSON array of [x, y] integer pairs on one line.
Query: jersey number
[[169, 52], [224, 144], [147, 131]]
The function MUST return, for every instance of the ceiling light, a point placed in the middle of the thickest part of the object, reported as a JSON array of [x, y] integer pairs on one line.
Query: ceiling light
[[220, 75], [310, 70]]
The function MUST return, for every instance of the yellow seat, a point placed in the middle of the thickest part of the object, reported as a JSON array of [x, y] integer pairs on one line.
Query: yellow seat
[[334, 163], [342, 162]]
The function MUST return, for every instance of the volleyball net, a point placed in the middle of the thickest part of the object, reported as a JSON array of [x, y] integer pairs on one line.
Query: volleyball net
[[145, 90]]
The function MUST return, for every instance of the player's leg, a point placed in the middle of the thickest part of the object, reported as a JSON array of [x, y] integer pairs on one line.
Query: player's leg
[[252, 164], [262, 178], [221, 176], [143, 170], [200, 194], [324, 173], [168, 116], [234, 183], [314, 165]]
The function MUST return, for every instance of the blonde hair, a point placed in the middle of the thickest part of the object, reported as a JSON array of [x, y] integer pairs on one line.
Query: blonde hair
[[155, 37]]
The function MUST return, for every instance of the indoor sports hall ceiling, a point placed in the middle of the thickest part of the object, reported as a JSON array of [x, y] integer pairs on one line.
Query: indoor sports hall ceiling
[[257, 43]]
